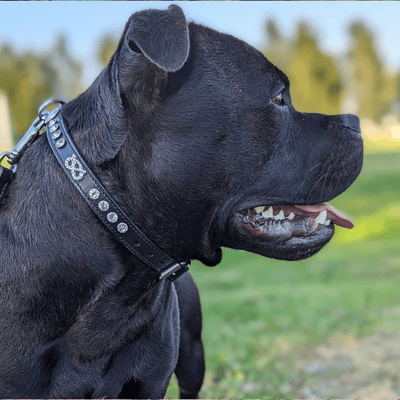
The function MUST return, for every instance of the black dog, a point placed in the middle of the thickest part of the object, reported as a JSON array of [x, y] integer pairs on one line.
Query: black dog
[[194, 134]]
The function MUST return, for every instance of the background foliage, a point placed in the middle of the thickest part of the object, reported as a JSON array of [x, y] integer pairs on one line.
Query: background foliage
[[326, 84], [357, 82], [262, 315]]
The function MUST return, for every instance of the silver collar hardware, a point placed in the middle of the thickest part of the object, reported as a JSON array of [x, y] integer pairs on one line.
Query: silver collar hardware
[[174, 271], [31, 134], [75, 167], [13, 156], [102, 203]]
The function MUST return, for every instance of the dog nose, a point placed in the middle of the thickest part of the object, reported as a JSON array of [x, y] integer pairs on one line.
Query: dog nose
[[351, 121]]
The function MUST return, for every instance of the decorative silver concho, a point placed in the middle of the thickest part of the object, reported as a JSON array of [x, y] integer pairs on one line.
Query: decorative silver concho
[[75, 167]]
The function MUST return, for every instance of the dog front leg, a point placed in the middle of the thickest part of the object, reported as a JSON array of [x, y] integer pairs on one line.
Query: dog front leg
[[190, 368]]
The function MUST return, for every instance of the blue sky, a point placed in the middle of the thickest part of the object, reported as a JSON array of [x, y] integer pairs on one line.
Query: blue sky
[[36, 24]]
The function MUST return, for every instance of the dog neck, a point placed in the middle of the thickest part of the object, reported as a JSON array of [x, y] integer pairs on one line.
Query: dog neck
[[104, 206]]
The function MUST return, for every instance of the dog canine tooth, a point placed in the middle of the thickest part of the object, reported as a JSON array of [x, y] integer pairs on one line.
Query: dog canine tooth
[[291, 216], [280, 216], [269, 213], [321, 217], [259, 209], [327, 222]]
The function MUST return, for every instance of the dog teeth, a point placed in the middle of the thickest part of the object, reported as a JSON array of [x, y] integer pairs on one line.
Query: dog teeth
[[269, 213], [321, 217]]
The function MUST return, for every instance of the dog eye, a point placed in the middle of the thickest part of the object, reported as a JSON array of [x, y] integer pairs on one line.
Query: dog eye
[[278, 99], [133, 46]]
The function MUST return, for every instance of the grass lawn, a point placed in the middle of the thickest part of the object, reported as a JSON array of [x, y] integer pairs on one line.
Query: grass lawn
[[259, 312]]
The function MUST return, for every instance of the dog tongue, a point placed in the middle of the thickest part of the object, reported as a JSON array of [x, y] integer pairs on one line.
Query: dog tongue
[[334, 215]]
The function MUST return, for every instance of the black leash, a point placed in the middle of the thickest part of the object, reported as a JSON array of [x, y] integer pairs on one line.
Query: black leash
[[6, 176], [96, 196]]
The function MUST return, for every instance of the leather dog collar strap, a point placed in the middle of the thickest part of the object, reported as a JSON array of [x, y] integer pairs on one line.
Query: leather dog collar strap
[[101, 202]]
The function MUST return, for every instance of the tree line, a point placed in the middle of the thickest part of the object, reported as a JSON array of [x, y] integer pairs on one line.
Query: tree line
[[358, 81]]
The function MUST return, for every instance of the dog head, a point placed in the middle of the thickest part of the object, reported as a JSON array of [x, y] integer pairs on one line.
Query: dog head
[[194, 133]]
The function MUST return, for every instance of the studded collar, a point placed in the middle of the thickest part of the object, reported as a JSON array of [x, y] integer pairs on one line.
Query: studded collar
[[96, 196], [102, 203]]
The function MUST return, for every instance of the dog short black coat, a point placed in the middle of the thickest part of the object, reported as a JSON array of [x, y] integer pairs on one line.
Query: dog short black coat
[[188, 129]]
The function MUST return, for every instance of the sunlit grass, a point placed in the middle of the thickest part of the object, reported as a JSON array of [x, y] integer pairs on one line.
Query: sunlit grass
[[258, 313]]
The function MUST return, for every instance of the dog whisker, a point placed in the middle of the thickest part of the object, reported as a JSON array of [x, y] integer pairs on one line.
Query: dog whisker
[[330, 185], [326, 175], [316, 183], [338, 179], [309, 174]]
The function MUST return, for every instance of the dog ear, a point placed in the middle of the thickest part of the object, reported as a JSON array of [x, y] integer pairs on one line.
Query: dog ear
[[162, 36], [154, 42]]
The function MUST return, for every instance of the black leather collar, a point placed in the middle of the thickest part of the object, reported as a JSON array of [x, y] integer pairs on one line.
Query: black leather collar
[[103, 205]]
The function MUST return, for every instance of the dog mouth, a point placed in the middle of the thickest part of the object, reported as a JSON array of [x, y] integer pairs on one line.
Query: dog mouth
[[277, 223], [287, 232]]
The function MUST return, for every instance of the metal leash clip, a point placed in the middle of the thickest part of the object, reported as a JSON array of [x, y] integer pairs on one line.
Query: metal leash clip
[[13, 156], [31, 134]]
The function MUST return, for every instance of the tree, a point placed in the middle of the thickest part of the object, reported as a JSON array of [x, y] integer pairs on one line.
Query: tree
[[106, 49], [69, 71], [27, 80], [373, 87], [278, 49], [315, 79]]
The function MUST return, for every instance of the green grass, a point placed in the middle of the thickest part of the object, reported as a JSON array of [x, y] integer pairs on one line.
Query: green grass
[[259, 312]]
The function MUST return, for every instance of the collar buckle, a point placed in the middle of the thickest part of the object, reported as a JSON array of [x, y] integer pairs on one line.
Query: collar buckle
[[175, 271]]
